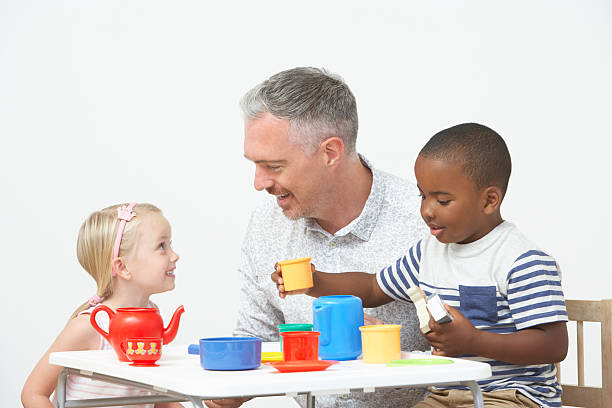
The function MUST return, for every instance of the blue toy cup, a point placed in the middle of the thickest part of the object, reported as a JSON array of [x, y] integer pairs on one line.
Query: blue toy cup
[[338, 319], [230, 353]]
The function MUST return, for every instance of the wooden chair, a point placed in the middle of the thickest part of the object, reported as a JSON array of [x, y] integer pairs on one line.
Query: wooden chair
[[581, 395]]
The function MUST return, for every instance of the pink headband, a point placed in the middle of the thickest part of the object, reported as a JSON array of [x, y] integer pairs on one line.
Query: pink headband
[[125, 214]]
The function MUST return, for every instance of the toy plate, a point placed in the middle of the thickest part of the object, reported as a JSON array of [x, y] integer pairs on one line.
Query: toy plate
[[301, 365], [418, 362]]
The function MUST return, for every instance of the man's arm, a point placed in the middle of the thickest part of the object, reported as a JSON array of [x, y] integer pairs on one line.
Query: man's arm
[[362, 285], [540, 344]]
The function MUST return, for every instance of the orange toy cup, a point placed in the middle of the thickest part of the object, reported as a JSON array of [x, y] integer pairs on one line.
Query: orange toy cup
[[143, 351], [300, 345], [296, 274]]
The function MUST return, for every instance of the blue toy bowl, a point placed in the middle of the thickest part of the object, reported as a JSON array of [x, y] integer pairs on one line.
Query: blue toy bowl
[[230, 353]]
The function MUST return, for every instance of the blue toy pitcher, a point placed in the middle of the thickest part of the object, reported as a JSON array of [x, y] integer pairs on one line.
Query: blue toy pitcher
[[338, 318]]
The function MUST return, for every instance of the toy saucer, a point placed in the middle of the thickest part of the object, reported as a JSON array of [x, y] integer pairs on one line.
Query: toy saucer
[[301, 365], [144, 365], [418, 362]]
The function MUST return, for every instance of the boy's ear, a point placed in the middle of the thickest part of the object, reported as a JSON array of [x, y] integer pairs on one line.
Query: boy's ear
[[119, 269], [492, 196], [333, 150]]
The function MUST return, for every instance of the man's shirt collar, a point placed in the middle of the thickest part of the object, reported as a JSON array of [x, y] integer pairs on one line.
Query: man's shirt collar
[[364, 224]]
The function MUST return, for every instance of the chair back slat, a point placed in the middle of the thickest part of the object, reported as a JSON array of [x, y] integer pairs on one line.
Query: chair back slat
[[580, 396], [580, 351], [584, 310], [606, 352]]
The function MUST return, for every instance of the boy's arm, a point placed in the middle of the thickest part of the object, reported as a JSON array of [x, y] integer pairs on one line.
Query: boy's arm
[[541, 344], [362, 285]]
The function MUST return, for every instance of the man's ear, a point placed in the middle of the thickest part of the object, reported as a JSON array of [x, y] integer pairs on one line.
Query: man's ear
[[492, 197], [333, 151], [119, 269]]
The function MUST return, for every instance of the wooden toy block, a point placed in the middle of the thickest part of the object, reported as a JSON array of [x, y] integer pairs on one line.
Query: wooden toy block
[[418, 298], [437, 310]]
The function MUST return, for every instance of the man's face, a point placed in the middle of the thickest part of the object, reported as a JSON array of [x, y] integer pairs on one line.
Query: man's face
[[450, 203], [282, 168]]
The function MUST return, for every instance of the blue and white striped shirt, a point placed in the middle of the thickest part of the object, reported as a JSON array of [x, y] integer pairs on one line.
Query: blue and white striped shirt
[[502, 283]]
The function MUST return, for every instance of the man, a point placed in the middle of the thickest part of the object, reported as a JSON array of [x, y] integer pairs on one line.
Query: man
[[327, 202]]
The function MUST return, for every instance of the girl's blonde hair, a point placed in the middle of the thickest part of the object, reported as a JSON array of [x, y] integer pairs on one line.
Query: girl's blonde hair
[[95, 245]]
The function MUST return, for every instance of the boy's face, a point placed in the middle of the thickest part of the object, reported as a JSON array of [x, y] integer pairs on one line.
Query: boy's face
[[452, 207]]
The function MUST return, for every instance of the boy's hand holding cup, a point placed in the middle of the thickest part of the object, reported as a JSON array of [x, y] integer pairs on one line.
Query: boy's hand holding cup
[[293, 277]]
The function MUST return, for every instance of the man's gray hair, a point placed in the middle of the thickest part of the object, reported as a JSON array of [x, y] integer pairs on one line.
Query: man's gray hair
[[317, 103]]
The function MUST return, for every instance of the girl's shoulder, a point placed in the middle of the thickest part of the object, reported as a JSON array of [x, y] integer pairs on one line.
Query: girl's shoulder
[[78, 334]]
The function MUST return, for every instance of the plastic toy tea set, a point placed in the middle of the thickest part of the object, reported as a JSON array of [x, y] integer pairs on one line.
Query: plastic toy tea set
[[337, 334]]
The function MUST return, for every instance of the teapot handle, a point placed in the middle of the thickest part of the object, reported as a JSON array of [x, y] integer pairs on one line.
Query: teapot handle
[[92, 319]]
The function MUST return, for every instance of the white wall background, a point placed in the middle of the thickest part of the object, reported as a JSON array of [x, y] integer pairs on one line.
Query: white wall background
[[105, 102]]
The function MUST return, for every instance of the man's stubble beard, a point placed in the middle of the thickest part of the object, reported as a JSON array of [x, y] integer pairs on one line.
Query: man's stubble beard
[[294, 215]]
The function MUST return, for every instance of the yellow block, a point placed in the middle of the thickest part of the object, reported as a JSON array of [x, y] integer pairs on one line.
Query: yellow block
[[381, 343], [271, 356]]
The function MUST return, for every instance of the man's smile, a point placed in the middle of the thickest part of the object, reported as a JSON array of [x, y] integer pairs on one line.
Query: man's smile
[[282, 198]]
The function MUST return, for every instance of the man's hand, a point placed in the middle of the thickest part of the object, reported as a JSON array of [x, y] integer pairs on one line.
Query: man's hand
[[226, 403], [277, 277], [454, 338]]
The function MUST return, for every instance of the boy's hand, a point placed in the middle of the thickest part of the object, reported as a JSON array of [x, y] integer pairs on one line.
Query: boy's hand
[[277, 277], [369, 320], [454, 338]]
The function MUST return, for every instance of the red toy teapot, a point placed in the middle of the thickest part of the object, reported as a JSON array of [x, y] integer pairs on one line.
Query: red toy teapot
[[135, 322]]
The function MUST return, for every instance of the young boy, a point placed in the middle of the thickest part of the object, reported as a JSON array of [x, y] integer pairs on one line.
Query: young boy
[[503, 293]]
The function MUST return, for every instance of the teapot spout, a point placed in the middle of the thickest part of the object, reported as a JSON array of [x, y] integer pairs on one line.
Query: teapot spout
[[170, 331]]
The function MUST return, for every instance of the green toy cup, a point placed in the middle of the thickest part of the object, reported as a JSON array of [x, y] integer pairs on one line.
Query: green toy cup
[[291, 327]]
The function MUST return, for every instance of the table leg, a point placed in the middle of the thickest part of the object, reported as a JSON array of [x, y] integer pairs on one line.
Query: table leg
[[196, 402], [310, 400], [60, 391], [476, 393]]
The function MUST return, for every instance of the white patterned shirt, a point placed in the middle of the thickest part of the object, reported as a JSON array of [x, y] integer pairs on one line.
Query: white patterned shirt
[[389, 224]]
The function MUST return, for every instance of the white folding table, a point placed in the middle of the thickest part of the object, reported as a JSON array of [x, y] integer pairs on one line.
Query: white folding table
[[180, 377]]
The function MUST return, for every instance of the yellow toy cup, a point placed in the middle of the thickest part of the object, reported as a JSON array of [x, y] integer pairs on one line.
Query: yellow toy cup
[[296, 274], [381, 343]]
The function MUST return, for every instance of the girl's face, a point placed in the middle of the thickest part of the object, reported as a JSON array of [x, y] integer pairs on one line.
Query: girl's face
[[451, 205], [152, 261]]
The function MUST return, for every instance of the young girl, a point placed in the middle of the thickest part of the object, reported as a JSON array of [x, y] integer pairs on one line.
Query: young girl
[[127, 250]]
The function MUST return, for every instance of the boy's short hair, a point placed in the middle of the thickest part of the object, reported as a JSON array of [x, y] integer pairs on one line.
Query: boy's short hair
[[481, 152]]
